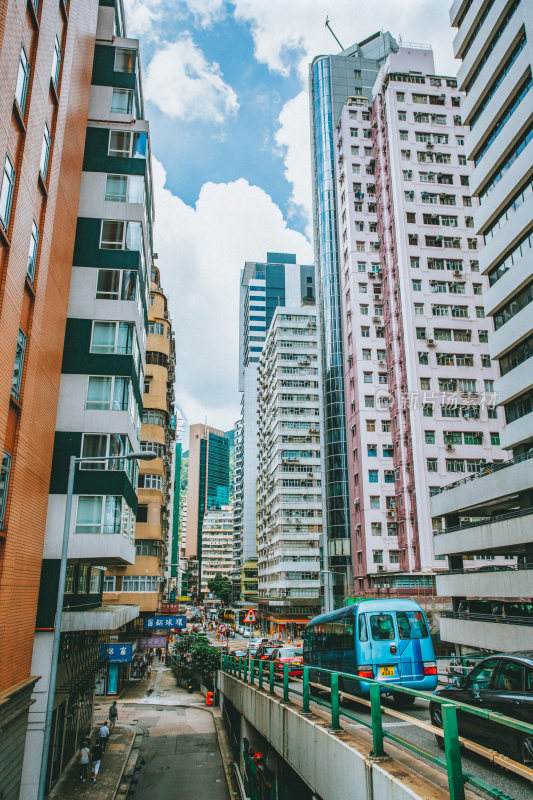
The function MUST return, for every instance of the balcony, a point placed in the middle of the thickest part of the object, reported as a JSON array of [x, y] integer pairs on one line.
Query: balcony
[[492, 535], [488, 633], [105, 618], [508, 582]]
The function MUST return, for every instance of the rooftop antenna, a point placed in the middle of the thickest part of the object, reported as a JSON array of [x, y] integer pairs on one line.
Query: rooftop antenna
[[328, 26]]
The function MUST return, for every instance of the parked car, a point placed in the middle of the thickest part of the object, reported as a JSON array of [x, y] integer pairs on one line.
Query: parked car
[[287, 654], [502, 683]]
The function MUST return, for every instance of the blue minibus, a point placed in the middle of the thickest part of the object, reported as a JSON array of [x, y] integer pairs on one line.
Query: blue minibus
[[387, 640]]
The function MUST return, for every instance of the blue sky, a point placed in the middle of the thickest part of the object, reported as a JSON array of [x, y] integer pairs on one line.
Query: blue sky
[[226, 96]]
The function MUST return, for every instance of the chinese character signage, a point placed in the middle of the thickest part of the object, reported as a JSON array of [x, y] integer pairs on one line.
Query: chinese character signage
[[165, 623], [120, 652], [153, 641], [169, 608]]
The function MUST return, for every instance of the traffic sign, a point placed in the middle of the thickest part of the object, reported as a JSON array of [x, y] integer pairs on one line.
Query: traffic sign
[[250, 616]]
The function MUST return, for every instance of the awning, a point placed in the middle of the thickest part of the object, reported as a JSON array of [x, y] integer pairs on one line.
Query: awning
[[104, 618], [287, 620]]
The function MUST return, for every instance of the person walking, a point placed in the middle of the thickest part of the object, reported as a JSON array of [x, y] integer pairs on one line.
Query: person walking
[[96, 759], [148, 671], [84, 759], [104, 736], [113, 716]]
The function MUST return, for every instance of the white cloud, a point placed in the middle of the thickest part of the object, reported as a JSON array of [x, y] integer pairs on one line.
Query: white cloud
[[205, 12], [201, 252], [142, 16], [287, 33], [293, 140], [184, 85]]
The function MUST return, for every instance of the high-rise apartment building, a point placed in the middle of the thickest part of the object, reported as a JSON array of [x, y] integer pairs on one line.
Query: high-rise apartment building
[[491, 513], [142, 583], [100, 397], [45, 63], [264, 286], [289, 494], [208, 488], [217, 545], [419, 377], [332, 80]]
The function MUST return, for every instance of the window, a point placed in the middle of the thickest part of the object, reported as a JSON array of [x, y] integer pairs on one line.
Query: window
[[56, 63], [124, 60], [95, 580], [142, 512], [148, 481], [427, 410], [140, 583], [108, 393], [120, 235], [125, 188], [375, 528], [70, 579], [432, 465], [495, 438], [5, 472], [104, 445], [411, 625], [372, 450], [367, 355], [365, 332], [419, 309], [116, 284], [388, 451], [473, 437], [23, 76], [400, 96], [127, 144], [415, 262], [367, 377], [97, 514], [423, 358], [371, 425], [122, 101], [19, 364], [32, 254], [152, 417], [369, 401], [394, 556], [6, 192], [389, 476], [372, 476], [374, 502], [425, 384], [417, 286], [113, 337], [402, 115], [485, 361], [109, 583], [429, 437]]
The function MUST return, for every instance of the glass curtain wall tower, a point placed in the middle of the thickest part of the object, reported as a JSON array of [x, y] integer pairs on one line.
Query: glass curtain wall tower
[[332, 80]]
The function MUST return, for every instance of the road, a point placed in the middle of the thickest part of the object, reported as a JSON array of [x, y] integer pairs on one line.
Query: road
[[512, 786]]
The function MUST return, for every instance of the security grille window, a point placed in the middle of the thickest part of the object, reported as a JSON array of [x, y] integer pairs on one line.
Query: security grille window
[[108, 393], [122, 101], [124, 60], [140, 583], [23, 76], [151, 482], [116, 284], [99, 514], [160, 359], [109, 583], [158, 328], [154, 418], [6, 192], [56, 63], [45, 152], [127, 144], [124, 188], [113, 337], [5, 472], [120, 235], [95, 580], [32, 254], [70, 579], [154, 447], [19, 364]]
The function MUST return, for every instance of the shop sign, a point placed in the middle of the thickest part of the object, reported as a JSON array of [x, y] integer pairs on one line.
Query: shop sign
[[120, 652], [169, 608], [153, 641], [165, 622]]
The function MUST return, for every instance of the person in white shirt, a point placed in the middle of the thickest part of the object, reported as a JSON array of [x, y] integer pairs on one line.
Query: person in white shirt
[[104, 736]]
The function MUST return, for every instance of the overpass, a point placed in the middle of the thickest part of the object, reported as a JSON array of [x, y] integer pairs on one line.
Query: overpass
[[337, 760]]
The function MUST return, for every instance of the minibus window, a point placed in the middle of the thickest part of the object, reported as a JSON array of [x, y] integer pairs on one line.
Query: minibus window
[[411, 625], [382, 627], [363, 633]]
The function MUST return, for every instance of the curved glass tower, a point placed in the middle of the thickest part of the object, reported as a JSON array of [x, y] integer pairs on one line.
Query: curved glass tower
[[332, 80]]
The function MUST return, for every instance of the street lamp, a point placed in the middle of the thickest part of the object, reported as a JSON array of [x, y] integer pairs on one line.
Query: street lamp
[[140, 455]]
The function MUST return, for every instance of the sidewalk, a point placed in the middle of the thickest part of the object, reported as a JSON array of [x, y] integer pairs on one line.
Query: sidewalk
[[111, 769]]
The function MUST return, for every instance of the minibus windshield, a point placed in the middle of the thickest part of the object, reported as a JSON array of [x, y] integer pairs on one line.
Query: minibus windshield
[[411, 625]]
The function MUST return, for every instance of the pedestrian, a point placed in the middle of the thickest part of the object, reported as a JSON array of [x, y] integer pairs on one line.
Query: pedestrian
[[113, 716], [148, 671], [96, 758], [143, 671], [84, 758], [104, 736]]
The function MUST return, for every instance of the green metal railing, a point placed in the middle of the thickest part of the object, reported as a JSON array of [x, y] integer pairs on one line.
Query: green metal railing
[[250, 670]]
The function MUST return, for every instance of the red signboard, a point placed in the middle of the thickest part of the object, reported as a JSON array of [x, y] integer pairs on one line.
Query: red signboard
[[169, 608]]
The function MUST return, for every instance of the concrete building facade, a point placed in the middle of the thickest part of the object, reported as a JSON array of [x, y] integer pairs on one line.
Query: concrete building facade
[[419, 377], [490, 514], [217, 545], [289, 493], [264, 287]]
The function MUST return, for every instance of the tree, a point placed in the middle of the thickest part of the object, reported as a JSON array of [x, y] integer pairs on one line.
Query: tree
[[220, 586]]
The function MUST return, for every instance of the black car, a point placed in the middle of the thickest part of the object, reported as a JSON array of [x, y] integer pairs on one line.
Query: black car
[[502, 683]]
